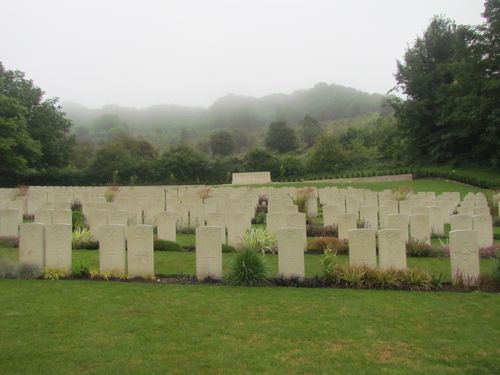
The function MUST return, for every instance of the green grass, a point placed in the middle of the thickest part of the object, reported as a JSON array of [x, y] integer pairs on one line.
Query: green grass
[[85, 327], [184, 263]]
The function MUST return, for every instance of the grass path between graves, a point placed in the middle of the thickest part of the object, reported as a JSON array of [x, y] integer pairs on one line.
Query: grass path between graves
[[87, 327], [184, 263]]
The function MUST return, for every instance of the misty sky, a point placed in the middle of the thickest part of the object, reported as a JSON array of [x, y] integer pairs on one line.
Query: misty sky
[[141, 53]]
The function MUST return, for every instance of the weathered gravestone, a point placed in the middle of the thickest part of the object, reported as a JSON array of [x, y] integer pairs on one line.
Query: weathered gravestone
[[420, 228], [298, 220], [483, 225], [290, 253], [391, 249], [464, 256], [345, 224], [399, 221], [461, 222], [330, 214], [237, 224], [112, 248], [166, 223], [62, 216], [218, 219], [9, 222], [140, 254], [362, 247], [58, 246], [369, 214], [32, 244], [208, 252], [44, 216]]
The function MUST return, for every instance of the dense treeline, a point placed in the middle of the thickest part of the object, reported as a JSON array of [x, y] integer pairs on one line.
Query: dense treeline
[[450, 115]]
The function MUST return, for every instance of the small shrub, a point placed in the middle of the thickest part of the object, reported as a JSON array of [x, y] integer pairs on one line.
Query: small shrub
[[339, 247], [28, 218], [437, 281], [258, 240], [82, 239], [328, 264], [9, 241], [28, 271], [186, 229], [418, 249], [488, 251], [164, 245], [416, 279], [350, 276], [248, 269], [111, 193], [7, 269], [54, 274], [76, 205], [107, 276], [228, 249], [260, 218], [78, 220], [318, 230], [81, 270], [496, 221]]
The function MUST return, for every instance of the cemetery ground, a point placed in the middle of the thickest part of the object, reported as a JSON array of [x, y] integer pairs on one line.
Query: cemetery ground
[[96, 327]]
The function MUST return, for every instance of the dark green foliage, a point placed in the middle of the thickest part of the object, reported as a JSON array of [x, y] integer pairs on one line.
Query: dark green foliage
[[222, 143], [80, 270], [164, 245], [78, 219], [327, 155], [248, 269], [311, 129], [259, 160], [228, 249], [184, 163], [281, 138], [450, 78]]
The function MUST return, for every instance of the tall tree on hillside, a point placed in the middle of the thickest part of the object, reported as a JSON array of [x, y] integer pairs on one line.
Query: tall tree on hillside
[[281, 138], [222, 143], [311, 129], [45, 121]]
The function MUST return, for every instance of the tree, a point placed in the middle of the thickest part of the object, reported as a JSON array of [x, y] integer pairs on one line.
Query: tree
[[222, 143], [130, 157], [281, 138], [17, 149], [184, 164], [311, 129], [259, 160], [326, 155], [45, 121]]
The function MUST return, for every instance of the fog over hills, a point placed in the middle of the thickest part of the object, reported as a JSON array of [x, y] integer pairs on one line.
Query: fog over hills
[[325, 102]]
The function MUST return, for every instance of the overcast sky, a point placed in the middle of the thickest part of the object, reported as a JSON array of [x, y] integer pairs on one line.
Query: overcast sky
[[141, 53]]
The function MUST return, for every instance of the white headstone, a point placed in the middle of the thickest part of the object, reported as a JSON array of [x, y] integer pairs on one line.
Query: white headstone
[[208, 252], [391, 249], [483, 225], [112, 248], [419, 228], [140, 254], [290, 253], [362, 247], [346, 223], [464, 256], [166, 226], [32, 244], [9, 222], [58, 246]]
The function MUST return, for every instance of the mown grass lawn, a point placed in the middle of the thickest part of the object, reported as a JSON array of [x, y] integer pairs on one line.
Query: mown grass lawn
[[88, 327]]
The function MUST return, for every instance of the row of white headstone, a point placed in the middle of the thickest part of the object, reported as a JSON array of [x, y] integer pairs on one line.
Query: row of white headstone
[[130, 250]]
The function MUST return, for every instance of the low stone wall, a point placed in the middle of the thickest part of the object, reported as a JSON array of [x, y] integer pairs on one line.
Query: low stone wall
[[400, 177], [250, 178]]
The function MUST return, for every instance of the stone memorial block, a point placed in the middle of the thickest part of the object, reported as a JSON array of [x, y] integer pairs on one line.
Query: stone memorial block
[[208, 252], [420, 229], [362, 247], [44, 216], [9, 222], [32, 244], [61, 216], [217, 219], [401, 222], [312, 206], [140, 254], [112, 248], [237, 224], [391, 249], [330, 215], [435, 220], [345, 224], [461, 222], [58, 246], [483, 225], [464, 256], [275, 221], [290, 253], [298, 220], [369, 214], [166, 224]]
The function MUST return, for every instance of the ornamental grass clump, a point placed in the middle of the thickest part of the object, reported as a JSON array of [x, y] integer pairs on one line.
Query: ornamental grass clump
[[248, 269], [259, 240]]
